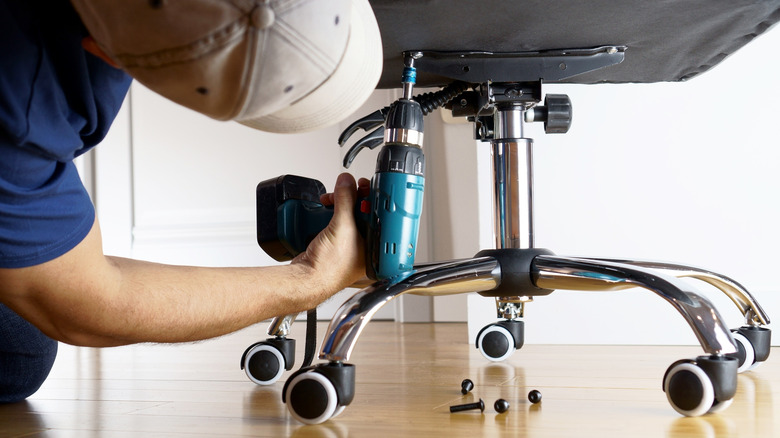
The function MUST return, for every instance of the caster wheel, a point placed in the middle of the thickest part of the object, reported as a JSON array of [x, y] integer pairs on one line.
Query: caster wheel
[[689, 389], [746, 354], [264, 364], [495, 343], [311, 398], [704, 385]]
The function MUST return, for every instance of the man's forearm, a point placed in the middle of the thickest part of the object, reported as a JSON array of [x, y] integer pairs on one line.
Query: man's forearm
[[85, 298], [163, 303]]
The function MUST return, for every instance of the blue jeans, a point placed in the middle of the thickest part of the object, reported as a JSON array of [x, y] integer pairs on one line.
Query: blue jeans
[[26, 357]]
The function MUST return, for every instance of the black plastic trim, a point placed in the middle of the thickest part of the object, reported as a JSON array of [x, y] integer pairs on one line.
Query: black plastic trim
[[722, 371], [761, 338], [516, 272]]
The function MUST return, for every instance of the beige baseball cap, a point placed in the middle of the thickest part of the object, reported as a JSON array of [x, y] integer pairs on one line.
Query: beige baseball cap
[[275, 65]]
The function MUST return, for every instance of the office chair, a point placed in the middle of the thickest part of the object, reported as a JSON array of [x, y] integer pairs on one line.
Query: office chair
[[500, 55]]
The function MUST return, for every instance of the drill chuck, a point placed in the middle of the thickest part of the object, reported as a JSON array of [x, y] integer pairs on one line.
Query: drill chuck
[[404, 124]]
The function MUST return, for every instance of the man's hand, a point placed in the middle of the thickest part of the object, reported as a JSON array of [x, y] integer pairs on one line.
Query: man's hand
[[335, 258]]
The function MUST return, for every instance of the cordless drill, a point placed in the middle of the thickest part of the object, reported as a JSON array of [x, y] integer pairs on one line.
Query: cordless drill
[[397, 194], [289, 214]]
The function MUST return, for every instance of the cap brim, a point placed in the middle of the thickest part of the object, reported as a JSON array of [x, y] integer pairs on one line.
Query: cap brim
[[344, 91]]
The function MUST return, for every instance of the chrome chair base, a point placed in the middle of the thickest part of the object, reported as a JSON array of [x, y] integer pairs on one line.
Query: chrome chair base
[[483, 274], [715, 372]]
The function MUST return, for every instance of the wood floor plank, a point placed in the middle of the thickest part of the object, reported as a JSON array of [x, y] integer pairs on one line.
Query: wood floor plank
[[407, 377]]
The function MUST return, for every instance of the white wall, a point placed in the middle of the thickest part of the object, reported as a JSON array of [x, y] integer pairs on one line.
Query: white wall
[[682, 172]]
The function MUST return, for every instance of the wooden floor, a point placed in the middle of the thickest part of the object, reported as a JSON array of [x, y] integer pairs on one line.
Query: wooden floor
[[407, 377]]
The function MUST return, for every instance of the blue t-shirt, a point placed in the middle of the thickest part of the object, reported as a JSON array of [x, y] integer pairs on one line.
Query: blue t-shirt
[[56, 102]]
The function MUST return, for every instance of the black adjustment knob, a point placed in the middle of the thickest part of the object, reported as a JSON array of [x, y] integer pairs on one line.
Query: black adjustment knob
[[556, 113], [559, 114]]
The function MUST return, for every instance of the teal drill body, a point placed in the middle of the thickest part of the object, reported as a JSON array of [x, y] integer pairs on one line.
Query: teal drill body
[[396, 207]]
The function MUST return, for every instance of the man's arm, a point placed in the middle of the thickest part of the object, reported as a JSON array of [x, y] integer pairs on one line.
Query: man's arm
[[86, 298]]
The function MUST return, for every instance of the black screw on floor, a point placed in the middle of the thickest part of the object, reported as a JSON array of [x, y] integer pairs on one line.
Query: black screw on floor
[[534, 396], [501, 406], [469, 407], [466, 386]]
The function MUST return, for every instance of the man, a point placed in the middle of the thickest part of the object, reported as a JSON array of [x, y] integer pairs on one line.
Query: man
[[280, 66]]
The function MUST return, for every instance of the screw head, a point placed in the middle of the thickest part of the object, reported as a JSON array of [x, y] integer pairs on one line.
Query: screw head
[[501, 406], [534, 396], [466, 386], [513, 93]]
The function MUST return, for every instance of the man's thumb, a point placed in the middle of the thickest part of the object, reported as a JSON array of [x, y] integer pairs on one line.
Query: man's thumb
[[344, 194]]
